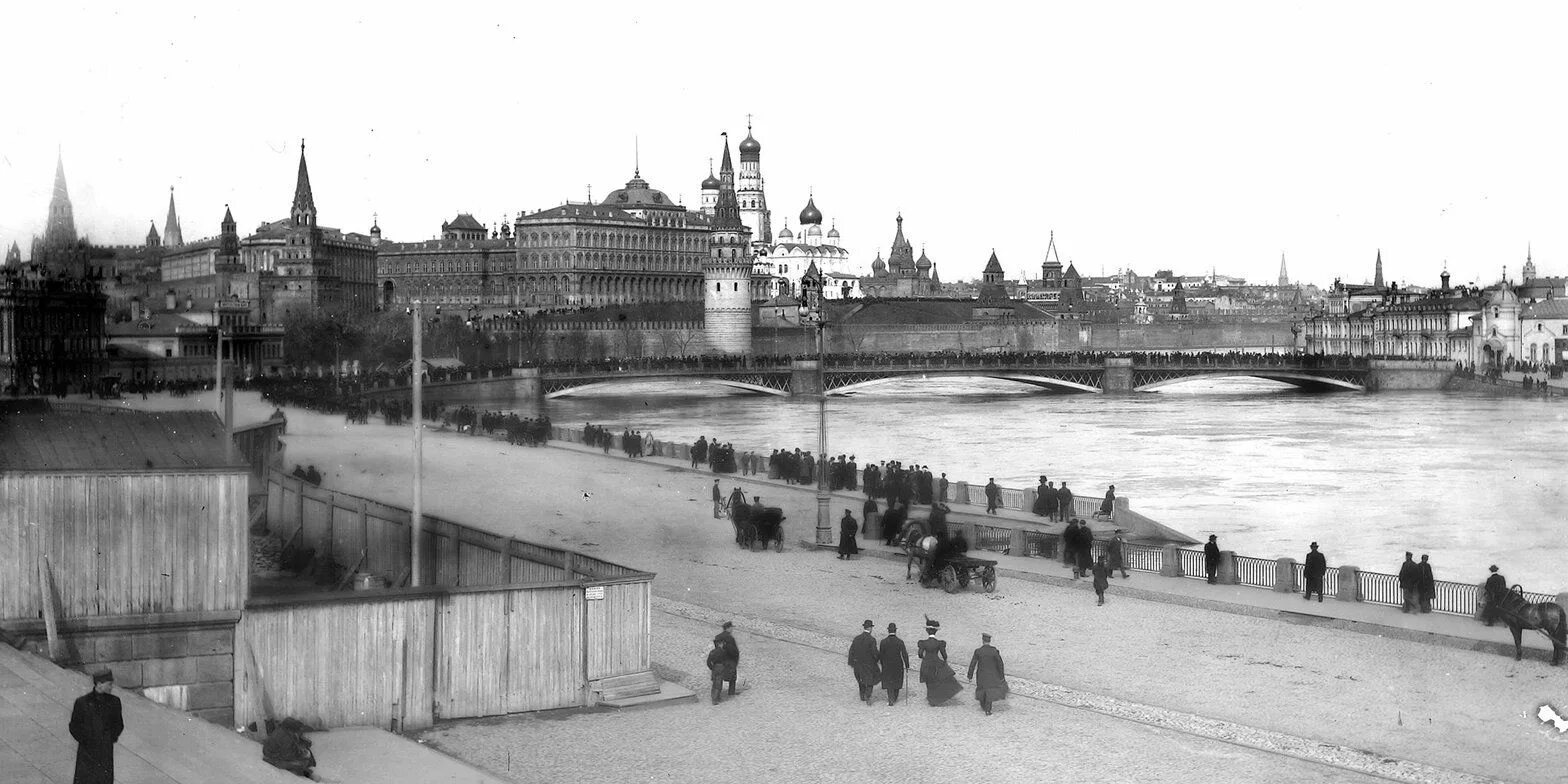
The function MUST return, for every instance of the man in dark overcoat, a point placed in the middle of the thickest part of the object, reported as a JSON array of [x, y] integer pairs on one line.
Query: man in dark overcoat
[[732, 654], [1409, 578], [986, 662], [993, 496], [1496, 586], [1211, 558], [893, 660], [1064, 502], [863, 660], [1316, 567], [1426, 586], [96, 724]]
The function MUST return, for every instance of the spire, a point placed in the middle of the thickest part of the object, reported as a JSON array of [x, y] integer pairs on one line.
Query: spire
[[1284, 278], [61, 228], [13, 257], [153, 240], [171, 225], [304, 212], [229, 238], [726, 168], [636, 159], [726, 213]]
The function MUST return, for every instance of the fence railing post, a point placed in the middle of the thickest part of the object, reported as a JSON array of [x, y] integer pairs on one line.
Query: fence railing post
[[1226, 575], [1017, 542], [1170, 562], [1350, 584], [1285, 576]]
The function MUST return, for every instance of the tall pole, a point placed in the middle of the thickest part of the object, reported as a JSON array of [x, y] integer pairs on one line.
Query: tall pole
[[824, 524], [417, 516]]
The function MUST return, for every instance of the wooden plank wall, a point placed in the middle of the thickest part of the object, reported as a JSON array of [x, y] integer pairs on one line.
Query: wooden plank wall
[[472, 655], [127, 543], [620, 630], [546, 633], [260, 446], [337, 664]]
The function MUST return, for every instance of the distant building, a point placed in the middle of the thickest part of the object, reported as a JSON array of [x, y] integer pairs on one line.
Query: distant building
[[902, 276], [785, 262], [462, 268]]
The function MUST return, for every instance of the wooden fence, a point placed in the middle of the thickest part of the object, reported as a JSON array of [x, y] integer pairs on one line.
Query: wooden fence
[[122, 543], [502, 626]]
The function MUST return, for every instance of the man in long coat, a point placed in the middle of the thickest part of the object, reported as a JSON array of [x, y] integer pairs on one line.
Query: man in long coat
[[993, 496], [1496, 586], [732, 655], [1211, 558], [1316, 567], [864, 661], [96, 724], [893, 659], [1426, 586], [1064, 502], [992, 684], [1113, 554]]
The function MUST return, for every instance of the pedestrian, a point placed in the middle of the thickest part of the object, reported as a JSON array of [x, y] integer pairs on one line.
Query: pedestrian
[[719, 670], [1113, 551], [1084, 550], [1496, 586], [987, 663], [1040, 494], [1102, 579], [1211, 558], [863, 660], [718, 501], [1425, 585], [993, 495], [732, 653], [868, 513], [941, 488], [893, 660], [1316, 567], [96, 724], [1064, 501], [1109, 504], [893, 523], [935, 673], [847, 526], [1409, 583]]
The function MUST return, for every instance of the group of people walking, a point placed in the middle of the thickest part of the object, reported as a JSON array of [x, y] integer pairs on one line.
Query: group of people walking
[[886, 662]]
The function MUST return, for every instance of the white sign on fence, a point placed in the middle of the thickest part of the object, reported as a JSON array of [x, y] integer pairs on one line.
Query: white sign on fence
[[595, 592]]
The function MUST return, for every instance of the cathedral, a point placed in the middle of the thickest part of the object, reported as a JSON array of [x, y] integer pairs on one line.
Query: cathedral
[[901, 276]]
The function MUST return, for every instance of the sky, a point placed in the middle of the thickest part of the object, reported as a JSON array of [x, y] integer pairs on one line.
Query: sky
[[1189, 136]]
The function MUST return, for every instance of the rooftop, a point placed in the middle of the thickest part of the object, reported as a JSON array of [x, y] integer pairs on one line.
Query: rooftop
[[112, 440]]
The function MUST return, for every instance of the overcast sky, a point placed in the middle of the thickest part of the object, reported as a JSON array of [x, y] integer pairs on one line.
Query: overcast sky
[[1185, 135]]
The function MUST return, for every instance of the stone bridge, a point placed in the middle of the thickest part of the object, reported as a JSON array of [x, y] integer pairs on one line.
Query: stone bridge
[[847, 375]]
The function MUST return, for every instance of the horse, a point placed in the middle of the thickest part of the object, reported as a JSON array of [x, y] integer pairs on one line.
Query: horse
[[1547, 617]]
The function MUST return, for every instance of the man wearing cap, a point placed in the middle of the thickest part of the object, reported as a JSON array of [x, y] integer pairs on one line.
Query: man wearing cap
[[96, 725], [1211, 558], [1496, 586], [718, 501], [893, 660], [863, 660], [731, 652], [1316, 567], [987, 663]]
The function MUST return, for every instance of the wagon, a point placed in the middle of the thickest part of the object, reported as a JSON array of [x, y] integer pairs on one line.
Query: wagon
[[958, 573], [759, 525]]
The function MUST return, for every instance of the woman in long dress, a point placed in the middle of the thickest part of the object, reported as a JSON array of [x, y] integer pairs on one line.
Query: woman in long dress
[[935, 672]]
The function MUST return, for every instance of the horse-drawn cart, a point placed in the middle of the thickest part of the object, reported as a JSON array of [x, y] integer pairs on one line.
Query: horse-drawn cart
[[756, 525], [956, 573]]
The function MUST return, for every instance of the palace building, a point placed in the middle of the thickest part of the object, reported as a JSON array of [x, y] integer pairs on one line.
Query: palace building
[[463, 268]]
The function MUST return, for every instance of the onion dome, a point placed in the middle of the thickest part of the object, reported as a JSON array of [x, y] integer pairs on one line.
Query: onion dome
[[810, 215], [924, 263], [785, 233], [710, 184], [750, 147], [814, 230], [878, 266], [833, 232]]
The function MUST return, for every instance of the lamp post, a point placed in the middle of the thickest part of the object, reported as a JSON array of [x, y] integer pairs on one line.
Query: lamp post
[[416, 515], [812, 313]]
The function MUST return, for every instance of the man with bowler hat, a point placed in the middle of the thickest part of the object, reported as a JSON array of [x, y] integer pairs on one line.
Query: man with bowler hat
[[1316, 567], [96, 724], [893, 658], [731, 652], [1211, 558], [863, 660]]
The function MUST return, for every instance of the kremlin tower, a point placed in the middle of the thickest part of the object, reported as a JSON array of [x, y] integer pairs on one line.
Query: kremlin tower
[[726, 275]]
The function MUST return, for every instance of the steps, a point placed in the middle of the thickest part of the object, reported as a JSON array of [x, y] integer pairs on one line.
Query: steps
[[638, 690]]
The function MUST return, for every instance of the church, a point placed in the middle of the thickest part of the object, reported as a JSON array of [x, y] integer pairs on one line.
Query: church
[[901, 276]]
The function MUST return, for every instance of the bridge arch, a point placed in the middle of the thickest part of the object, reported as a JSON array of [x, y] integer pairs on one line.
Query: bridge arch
[[607, 383], [1036, 380], [1299, 379]]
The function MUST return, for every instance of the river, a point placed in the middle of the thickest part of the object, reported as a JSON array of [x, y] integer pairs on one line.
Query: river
[[1470, 479]]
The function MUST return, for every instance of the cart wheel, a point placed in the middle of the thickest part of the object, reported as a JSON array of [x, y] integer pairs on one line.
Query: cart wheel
[[778, 544], [988, 579], [950, 579]]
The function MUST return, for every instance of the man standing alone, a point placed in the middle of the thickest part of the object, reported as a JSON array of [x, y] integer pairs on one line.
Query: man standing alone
[[1316, 567], [993, 494], [987, 662], [96, 725], [863, 660], [731, 654], [1496, 586], [1211, 558], [893, 660]]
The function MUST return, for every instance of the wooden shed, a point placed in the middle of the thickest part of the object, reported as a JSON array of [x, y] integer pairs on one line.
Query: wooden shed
[[128, 530]]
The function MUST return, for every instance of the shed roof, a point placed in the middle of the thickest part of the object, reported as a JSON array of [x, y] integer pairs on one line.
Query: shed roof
[[114, 440]]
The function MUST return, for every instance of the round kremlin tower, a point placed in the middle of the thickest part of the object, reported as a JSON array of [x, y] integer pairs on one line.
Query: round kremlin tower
[[726, 275]]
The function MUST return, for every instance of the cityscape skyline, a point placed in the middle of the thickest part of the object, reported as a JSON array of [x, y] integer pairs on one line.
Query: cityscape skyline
[[1434, 170]]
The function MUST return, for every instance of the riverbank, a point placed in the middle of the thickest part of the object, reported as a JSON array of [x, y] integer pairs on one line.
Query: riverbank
[[1465, 712]]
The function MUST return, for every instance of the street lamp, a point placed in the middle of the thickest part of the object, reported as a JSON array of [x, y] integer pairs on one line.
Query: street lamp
[[813, 313], [416, 515]]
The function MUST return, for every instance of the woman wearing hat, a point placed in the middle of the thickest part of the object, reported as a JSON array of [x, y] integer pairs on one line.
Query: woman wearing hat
[[935, 673]]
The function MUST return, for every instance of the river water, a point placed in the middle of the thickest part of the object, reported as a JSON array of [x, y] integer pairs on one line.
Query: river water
[[1470, 479]]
